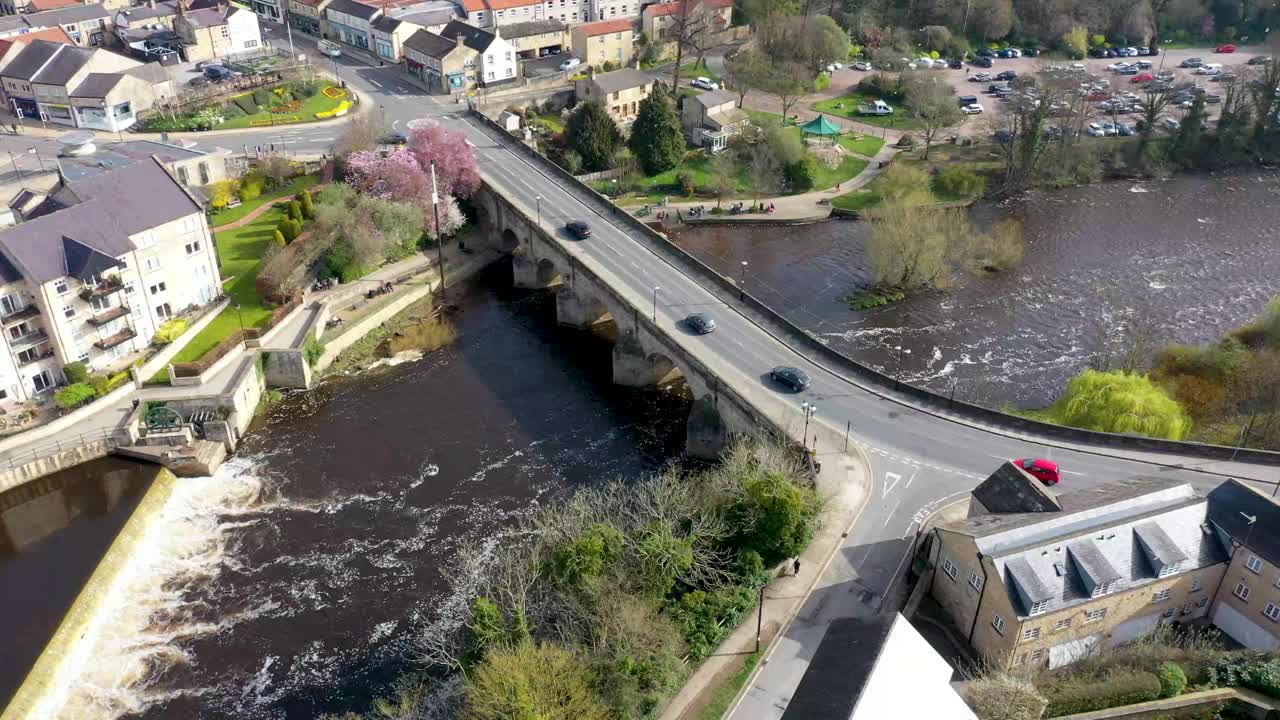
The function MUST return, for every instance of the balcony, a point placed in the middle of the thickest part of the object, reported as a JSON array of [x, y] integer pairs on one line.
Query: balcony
[[25, 313], [48, 353], [114, 313], [105, 287], [119, 338], [28, 340]]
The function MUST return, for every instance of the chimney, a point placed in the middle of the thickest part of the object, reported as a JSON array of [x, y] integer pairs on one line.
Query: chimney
[[591, 72], [458, 38]]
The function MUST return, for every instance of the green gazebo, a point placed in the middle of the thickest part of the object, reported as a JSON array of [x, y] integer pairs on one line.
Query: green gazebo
[[822, 127]]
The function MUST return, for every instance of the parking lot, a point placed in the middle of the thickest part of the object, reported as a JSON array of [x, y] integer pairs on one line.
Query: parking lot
[[993, 109]]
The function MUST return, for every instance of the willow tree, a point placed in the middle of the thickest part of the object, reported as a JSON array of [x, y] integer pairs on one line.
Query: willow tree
[[1120, 402]]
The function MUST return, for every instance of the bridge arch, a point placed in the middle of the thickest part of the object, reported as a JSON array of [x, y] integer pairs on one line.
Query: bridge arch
[[508, 241]]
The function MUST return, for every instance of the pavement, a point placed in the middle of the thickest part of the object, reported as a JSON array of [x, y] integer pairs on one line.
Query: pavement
[[910, 460]]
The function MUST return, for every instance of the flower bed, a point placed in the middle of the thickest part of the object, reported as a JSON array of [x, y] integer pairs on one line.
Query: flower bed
[[334, 92], [336, 112]]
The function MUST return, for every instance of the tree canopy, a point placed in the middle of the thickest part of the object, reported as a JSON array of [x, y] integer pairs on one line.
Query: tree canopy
[[532, 682], [593, 135], [1120, 402], [657, 138]]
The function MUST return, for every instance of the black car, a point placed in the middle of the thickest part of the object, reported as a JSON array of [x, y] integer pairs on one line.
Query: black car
[[700, 323], [394, 138], [994, 88], [578, 229], [967, 100], [1002, 136], [1110, 53], [986, 53], [1030, 52], [982, 62], [1097, 52], [1007, 75], [1259, 60], [794, 379]]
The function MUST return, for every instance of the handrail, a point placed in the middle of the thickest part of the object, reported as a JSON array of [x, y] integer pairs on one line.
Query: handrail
[[114, 436]]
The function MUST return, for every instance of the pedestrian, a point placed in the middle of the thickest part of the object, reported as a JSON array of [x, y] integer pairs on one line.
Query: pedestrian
[[796, 566], [135, 403]]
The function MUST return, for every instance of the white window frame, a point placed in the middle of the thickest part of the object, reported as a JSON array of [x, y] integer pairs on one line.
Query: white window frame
[[1062, 624], [1254, 563], [949, 568], [997, 622], [1161, 596], [975, 581], [61, 287], [1272, 611], [1242, 591], [1039, 607], [1031, 633], [1091, 616]]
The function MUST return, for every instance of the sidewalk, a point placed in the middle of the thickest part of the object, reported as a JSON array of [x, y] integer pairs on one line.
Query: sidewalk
[[845, 484]]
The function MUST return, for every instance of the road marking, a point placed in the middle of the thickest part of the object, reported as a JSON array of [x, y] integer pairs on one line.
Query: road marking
[[913, 477], [889, 515], [891, 480]]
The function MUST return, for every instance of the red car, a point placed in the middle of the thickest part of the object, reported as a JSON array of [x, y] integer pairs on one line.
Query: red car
[[1046, 471], [1228, 48], [1142, 78]]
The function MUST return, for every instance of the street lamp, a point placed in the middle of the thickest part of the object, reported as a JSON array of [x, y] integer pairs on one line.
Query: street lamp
[[809, 410], [1251, 519], [538, 199], [742, 282], [239, 317], [656, 288]]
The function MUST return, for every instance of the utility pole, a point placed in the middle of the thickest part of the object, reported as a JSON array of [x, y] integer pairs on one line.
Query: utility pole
[[759, 617], [435, 210]]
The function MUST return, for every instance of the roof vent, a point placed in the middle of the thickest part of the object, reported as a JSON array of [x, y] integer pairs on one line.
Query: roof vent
[[1111, 536], [1204, 528], [1057, 549], [1060, 569]]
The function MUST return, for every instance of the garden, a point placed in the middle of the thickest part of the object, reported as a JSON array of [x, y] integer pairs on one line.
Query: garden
[[297, 101]]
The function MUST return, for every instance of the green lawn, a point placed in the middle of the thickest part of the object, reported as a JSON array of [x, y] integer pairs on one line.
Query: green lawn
[[553, 123], [240, 251], [857, 200], [312, 105], [866, 145], [846, 106], [230, 215]]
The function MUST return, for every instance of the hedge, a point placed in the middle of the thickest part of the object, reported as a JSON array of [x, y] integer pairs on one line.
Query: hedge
[[1121, 687], [246, 103], [75, 395], [1256, 672]]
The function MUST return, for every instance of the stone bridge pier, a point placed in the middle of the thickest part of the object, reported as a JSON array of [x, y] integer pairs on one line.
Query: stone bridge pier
[[644, 354]]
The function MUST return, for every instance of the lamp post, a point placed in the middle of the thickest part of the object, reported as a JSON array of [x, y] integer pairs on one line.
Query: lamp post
[[239, 317], [809, 410], [1251, 519], [742, 282], [656, 288], [435, 211], [538, 199], [15, 165]]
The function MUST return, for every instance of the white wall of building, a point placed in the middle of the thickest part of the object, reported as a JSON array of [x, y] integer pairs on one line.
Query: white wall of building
[[910, 680], [498, 62]]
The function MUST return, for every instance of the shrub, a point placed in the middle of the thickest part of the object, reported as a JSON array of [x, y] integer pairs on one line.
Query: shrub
[[285, 228], [705, 618], [1256, 672], [571, 161], [822, 83], [170, 330], [295, 210], [262, 97], [75, 372], [308, 205], [312, 351], [277, 237], [251, 186], [802, 174], [684, 179], [245, 103], [1172, 679], [73, 396], [221, 193], [1120, 402], [1003, 697], [907, 140], [1121, 687], [960, 182]]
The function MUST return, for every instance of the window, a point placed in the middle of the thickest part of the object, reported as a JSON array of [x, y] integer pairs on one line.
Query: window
[[10, 304], [226, 31], [1272, 612], [949, 568], [1031, 633], [1062, 624], [84, 357], [975, 582], [60, 287], [1160, 597], [182, 176], [488, 59], [251, 43], [151, 264], [1202, 602], [4, 394], [68, 311], [28, 355], [508, 56], [1039, 607], [204, 170], [1197, 586], [1170, 569], [510, 72], [997, 622], [1095, 615], [163, 310], [128, 289], [1242, 591], [192, 247], [1038, 655], [1253, 563], [158, 288], [101, 303]]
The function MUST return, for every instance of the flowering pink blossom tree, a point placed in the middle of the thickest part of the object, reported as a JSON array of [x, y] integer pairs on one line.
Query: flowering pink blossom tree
[[398, 176], [455, 163], [451, 218]]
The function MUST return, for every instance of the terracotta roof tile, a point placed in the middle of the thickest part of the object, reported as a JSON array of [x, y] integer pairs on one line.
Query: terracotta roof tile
[[605, 27]]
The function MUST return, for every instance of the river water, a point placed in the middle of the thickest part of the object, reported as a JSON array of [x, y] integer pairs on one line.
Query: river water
[[295, 581], [1193, 255]]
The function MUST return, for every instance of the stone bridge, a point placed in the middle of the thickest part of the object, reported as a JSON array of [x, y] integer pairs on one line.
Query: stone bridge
[[644, 352]]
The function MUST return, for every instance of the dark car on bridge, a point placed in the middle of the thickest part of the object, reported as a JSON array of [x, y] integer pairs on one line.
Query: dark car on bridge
[[700, 323], [395, 138], [794, 379], [578, 229], [1046, 471]]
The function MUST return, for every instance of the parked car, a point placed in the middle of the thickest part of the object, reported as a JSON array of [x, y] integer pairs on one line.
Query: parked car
[[1153, 51], [217, 73], [981, 77], [578, 229], [996, 88], [1228, 48], [1124, 130], [1142, 78], [1168, 123], [1259, 60], [986, 52], [1223, 77], [1143, 64], [207, 63], [570, 63], [198, 81], [1030, 52], [982, 62], [329, 48], [972, 109], [967, 100], [1007, 75], [1046, 471], [861, 65], [1117, 66], [1210, 69], [1191, 63], [793, 379], [704, 83], [1097, 53], [700, 323], [1095, 130], [1002, 136], [955, 64], [1212, 98], [1130, 70]]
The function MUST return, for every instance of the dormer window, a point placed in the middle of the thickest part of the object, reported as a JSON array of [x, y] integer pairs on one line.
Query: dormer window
[[1039, 607]]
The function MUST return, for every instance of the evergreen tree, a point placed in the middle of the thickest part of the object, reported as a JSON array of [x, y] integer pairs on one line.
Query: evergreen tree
[[1187, 142], [594, 135], [657, 138]]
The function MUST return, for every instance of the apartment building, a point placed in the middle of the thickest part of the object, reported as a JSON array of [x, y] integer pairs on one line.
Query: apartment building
[[619, 91], [659, 21], [537, 38], [1248, 603], [86, 25], [92, 268], [597, 43], [496, 13], [218, 31], [1033, 577]]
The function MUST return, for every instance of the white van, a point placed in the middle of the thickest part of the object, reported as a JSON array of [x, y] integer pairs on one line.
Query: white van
[[330, 48]]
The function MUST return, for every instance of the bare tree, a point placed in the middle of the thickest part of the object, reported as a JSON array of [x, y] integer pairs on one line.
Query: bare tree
[[689, 24], [764, 170], [933, 105], [1156, 102], [724, 174], [362, 133]]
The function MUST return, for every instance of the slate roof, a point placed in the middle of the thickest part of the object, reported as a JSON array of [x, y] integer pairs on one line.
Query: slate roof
[[430, 44], [1119, 536], [30, 59], [97, 85], [531, 28], [426, 18], [102, 212], [1011, 490], [83, 261], [619, 80], [713, 98], [8, 273], [472, 36], [605, 27], [352, 8], [73, 14], [1229, 500], [840, 668], [53, 34], [209, 17], [146, 12], [63, 65], [385, 24]]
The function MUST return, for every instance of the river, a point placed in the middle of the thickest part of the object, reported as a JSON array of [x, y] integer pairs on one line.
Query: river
[[295, 580], [1194, 256]]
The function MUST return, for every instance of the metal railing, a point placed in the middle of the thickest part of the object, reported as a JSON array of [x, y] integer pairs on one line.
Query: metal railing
[[115, 437]]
